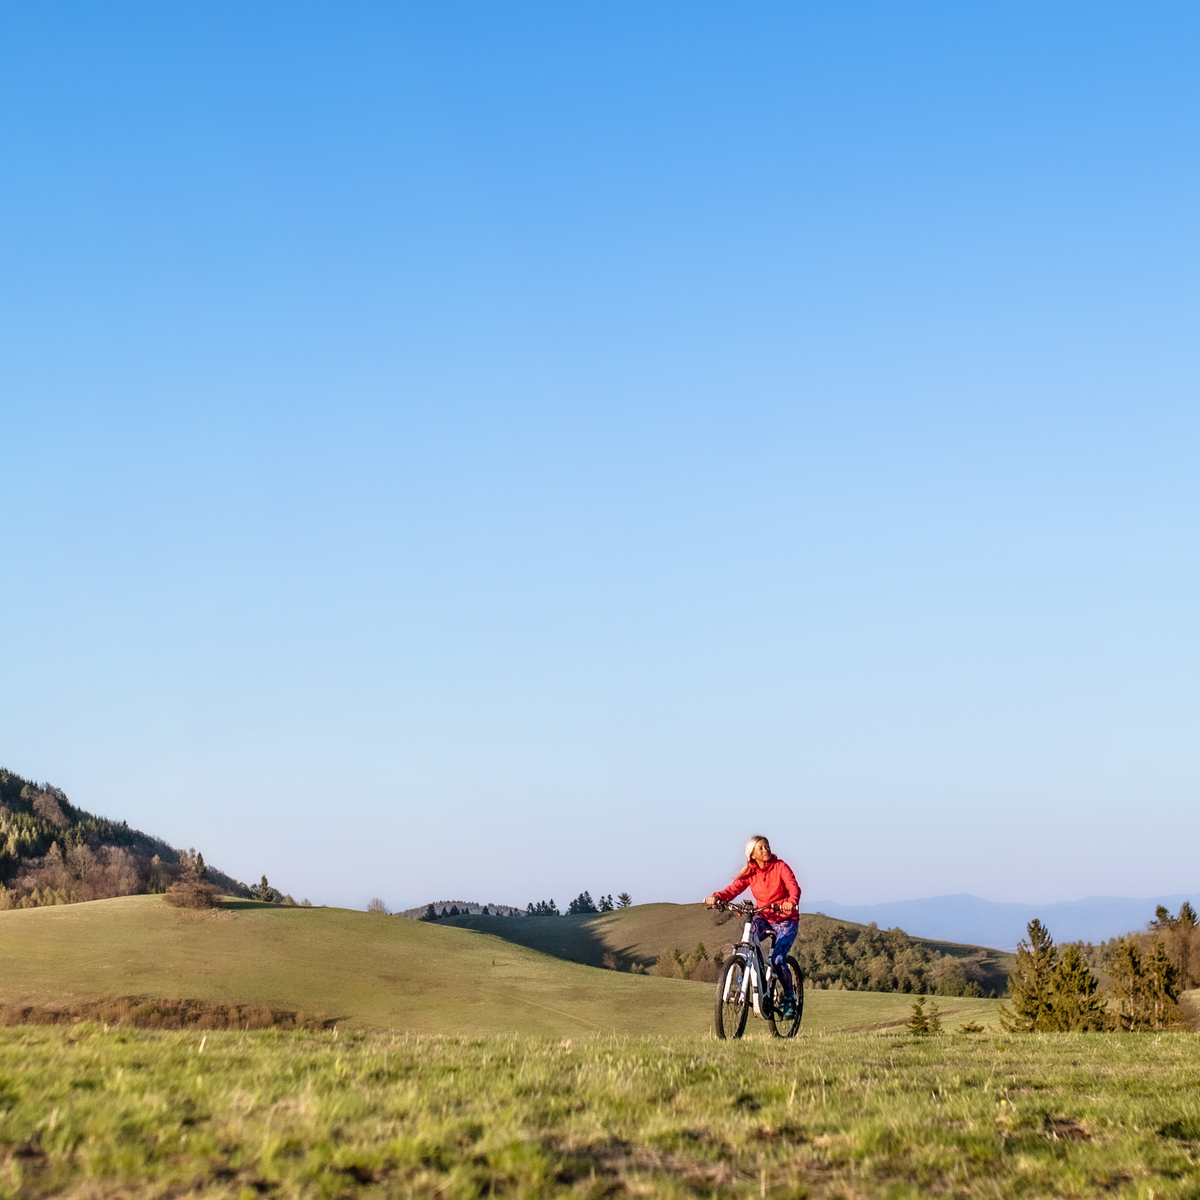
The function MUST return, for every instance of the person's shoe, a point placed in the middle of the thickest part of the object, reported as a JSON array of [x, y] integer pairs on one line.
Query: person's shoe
[[787, 1009]]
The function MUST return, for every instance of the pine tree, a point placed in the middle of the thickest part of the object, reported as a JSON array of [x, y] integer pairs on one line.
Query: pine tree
[[935, 1017], [1074, 1000], [624, 900], [918, 1023], [1030, 983], [1161, 988], [1125, 969], [606, 904], [430, 913]]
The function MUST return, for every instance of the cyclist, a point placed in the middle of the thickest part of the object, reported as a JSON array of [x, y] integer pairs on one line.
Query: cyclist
[[773, 885]]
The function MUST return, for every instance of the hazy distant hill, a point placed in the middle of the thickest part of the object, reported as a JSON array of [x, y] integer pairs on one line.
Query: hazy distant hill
[[966, 918]]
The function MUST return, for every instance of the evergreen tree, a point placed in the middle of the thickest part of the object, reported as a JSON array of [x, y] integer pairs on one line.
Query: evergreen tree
[[1125, 969], [1145, 986], [581, 904], [606, 904], [430, 913], [201, 869], [918, 1023], [484, 912], [454, 910], [1161, 988], [624, 900], [1030, 984], [935, 1017], [265, 892], [1073, 998]]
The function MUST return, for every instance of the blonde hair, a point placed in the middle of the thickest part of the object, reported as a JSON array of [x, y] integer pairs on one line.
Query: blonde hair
[[754, 843]]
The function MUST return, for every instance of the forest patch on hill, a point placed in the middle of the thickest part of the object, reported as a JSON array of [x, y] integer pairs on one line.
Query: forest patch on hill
[[54, 853]]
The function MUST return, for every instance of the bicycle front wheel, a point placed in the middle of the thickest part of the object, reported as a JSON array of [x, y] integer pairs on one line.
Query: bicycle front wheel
[[782, 1026], [732, 999]]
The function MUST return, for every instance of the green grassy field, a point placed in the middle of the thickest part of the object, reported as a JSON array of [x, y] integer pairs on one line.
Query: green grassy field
[[367, 971], [642, 933], [88, 1114]]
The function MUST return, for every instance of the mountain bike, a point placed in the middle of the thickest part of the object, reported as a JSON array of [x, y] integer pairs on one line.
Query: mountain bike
[[748, 980]]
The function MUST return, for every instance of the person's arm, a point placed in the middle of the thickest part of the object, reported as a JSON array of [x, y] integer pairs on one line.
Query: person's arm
[[732, 892], [792, 905]]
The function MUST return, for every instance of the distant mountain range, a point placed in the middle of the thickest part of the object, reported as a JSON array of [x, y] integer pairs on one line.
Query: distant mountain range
[[965, 918]]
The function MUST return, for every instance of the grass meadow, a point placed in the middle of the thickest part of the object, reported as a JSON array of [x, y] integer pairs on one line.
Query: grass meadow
[[90, 1113], [465, 1065], [368, 972]]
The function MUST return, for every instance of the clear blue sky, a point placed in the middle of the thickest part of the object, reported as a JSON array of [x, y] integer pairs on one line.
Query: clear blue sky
[[490, 451]]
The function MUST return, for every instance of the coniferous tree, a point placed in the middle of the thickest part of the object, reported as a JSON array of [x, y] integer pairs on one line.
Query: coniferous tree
[[624, 900], [430, 913], [1145, 985], [606, 904], [1125, 969], [1161, 988], [1073, 994], [1031, 983], [918, 1023]]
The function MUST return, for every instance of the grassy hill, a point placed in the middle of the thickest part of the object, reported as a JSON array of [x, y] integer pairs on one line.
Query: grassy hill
[[640, 935], [374, 972]]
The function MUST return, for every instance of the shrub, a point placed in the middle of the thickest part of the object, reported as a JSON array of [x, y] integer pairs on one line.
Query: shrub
[[191, 893]]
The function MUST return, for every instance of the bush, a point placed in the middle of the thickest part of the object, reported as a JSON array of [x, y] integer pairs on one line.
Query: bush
[[191, 893]]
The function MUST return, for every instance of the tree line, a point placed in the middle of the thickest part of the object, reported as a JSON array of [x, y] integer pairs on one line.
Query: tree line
[[1144, 974], [870, 959], [582, 904]]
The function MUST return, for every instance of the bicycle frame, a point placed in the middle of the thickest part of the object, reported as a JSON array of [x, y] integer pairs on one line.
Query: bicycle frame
[[756, 982]]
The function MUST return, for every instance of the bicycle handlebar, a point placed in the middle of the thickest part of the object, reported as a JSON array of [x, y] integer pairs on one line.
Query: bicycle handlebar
[[747, 909]]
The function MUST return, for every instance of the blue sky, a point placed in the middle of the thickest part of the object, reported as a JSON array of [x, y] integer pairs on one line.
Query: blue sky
[[494, 451]]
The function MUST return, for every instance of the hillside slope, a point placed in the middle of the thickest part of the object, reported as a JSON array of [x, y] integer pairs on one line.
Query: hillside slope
[[642, 934], [367, 970], [35, 817]]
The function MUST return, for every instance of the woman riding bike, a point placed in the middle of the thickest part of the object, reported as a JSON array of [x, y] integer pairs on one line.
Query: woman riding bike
[[773, 886]]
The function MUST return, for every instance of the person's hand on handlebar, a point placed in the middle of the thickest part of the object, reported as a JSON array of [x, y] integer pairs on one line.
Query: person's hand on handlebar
[[710, 901]]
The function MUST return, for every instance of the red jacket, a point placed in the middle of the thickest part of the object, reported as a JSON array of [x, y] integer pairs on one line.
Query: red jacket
[[772, 884]]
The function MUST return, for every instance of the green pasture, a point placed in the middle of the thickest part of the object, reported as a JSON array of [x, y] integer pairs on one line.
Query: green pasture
[[89, 1114], [370, 972]]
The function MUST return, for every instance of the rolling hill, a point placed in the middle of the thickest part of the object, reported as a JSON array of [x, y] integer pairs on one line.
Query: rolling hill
[[642, 934], [371, 971]]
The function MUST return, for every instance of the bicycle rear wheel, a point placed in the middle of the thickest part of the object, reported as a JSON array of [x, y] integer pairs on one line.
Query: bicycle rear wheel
[[782, 1026], [732, 1006]]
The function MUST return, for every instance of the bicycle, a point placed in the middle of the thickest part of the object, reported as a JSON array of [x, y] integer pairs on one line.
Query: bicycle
[[748, 981]]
